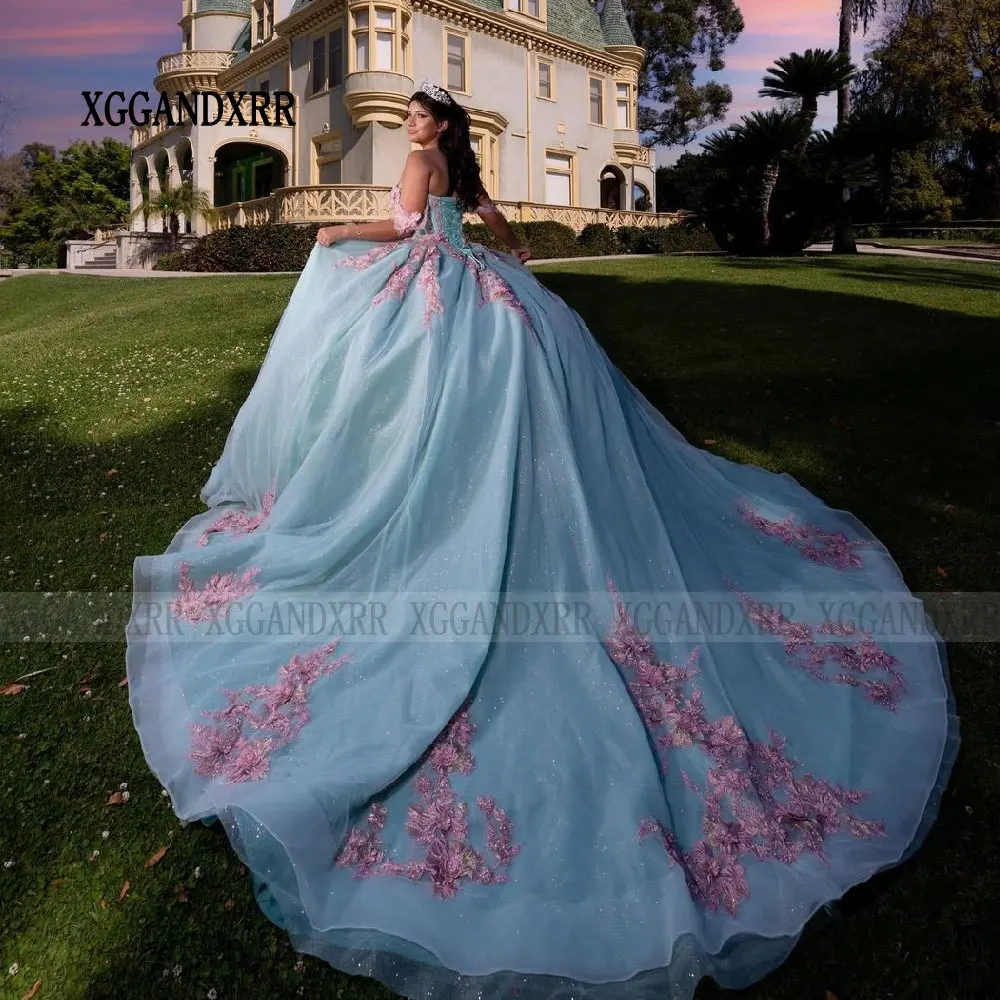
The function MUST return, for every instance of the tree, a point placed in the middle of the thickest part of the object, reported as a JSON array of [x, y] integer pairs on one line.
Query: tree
[[853, 14], [13, 177], [806, 77], [760, 141], [676, 34], [61, 199], [940, 60], [183, 199]]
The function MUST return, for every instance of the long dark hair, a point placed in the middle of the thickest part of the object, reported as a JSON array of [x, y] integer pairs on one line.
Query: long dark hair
[[464, 179]]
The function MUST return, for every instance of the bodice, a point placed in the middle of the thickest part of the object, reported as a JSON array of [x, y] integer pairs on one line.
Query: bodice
[[444, 217], [441, 222]]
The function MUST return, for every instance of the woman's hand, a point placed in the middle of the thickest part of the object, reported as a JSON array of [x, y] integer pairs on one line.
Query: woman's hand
[[523, 254], [329, 234]]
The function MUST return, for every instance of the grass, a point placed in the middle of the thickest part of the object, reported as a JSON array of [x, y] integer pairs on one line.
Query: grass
[[913, 241], [874, 381]]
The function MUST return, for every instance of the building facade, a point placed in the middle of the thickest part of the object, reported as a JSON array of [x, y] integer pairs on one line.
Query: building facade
[[551, 87]]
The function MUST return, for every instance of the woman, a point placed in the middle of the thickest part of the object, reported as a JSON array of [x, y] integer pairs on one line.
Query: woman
[[585, 715]]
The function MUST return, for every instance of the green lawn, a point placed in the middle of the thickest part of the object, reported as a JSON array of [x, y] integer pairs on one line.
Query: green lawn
[[874, 381], [914, 241]]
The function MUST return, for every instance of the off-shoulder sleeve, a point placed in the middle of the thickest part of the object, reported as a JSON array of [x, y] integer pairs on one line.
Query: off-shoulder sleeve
[[405, 223]]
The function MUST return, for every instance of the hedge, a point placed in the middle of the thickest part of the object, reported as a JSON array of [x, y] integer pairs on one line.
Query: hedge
[[174, 261], [954, 233], [285, 247], [271, 247]]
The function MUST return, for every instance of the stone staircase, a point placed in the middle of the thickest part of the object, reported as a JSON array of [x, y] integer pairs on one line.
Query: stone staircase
[[104, 260]]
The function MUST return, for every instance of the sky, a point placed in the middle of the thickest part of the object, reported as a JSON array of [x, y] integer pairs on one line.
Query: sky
[[51, 50]]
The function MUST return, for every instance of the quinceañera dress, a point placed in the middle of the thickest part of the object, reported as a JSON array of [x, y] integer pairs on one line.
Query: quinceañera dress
[[602, 804]]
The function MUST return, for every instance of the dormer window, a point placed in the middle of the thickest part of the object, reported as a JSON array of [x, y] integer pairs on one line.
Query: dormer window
[[262, 17], [533, 8]]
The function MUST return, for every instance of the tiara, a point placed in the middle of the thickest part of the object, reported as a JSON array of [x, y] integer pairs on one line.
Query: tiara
[[432, 90]]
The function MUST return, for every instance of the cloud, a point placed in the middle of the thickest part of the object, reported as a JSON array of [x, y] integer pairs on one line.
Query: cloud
[[64, 28], [814, 18]]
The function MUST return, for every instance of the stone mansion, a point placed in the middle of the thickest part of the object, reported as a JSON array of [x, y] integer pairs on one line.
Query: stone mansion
[[550, 85]]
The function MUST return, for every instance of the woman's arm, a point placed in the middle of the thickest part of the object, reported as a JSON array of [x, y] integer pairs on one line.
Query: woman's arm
[[497, 224], [407, 209]]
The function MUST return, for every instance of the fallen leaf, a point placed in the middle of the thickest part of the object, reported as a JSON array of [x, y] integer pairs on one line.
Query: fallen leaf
[[116, 799], [102, 537], [11, 689], [709, 440], [87, 679], [111, 472], [830, 996], [124, 891], [85, 692], [942, 572], [57, 883], [949, 507], [123, 682], [229, 904], [156, 858], [182, 895], [103, 903], [34, 989]]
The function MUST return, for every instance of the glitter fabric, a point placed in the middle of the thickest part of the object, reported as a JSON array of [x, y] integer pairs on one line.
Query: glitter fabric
[[499, 687]]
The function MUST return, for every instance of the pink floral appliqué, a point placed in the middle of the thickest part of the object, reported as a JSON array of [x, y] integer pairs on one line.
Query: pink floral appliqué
[[755, 806], [830, 548], [405, 223], [222, 590], [240, 522], [438, 822], [856, 660], [422, 262], [224, 751]]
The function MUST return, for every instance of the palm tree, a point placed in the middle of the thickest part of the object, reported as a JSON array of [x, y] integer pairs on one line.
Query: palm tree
[[79, 220], [760, 140], [173, 202], [806, 77], [853, 14]]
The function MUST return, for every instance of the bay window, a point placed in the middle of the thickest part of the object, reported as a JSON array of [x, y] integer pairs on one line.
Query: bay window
[[623, 102], [379, 39]]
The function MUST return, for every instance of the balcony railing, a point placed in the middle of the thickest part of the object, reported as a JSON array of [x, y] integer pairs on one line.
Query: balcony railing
[[366, 203], [207, 60]]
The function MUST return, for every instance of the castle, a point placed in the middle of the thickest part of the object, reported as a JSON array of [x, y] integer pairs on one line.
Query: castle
[[551, 87]]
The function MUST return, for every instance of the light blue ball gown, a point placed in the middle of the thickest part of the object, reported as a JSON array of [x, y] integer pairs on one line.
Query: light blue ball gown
[[601, 801]]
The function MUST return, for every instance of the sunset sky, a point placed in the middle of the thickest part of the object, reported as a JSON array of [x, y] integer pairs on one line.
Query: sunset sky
[[50, 50]]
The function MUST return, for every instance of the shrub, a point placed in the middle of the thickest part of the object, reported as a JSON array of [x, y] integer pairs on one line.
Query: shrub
[[175, 261], [271, 247], [476, 232], [546, 239], [598, 240], [686, 237], [957, 234], [682, 237]]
